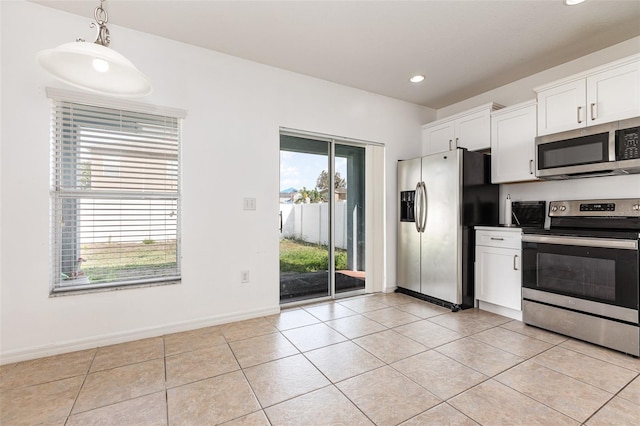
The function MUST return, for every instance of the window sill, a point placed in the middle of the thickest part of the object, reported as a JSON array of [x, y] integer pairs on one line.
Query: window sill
[[70, 291]]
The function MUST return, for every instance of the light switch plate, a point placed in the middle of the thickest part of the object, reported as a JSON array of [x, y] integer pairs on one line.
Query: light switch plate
[[249, 204]]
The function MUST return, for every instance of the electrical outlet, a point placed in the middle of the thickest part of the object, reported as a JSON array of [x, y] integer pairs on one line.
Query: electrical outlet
[[244, 276]]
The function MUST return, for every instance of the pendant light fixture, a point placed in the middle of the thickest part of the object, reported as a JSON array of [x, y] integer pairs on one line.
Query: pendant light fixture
[[94, 66]]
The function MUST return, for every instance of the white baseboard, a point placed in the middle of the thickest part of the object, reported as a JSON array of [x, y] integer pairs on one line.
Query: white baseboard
[[127, 336], [500, 310]]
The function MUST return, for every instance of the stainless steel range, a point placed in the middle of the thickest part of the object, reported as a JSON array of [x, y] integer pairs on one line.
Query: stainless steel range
[[580, 277]]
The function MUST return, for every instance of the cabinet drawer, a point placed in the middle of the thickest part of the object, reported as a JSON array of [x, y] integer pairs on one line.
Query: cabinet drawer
[[503, 239]]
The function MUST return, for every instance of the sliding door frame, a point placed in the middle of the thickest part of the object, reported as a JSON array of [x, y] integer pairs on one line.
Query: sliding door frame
[[374, 212]]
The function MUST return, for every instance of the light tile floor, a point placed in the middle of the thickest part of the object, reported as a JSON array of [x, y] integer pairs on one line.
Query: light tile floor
[[382, 359]]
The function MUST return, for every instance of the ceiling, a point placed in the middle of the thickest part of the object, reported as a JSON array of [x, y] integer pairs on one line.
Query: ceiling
[[463, 48]]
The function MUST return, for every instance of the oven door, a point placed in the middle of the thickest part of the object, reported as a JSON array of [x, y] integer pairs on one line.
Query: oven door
[[597, 275]]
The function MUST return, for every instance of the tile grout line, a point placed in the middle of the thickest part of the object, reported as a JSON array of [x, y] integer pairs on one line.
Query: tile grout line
[[566, 375], [493, 377], [86, 375], [240, 369], [350, 340], [331, 383], [487, 377], [385, 364], [166, 389], [244, 375], [615, 395], [577, 378]]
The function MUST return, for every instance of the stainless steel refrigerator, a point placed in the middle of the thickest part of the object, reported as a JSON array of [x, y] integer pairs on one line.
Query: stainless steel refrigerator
[[441, 197]]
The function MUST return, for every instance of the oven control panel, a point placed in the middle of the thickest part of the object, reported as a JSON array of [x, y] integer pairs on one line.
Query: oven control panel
[[625, 207], [597, 207]]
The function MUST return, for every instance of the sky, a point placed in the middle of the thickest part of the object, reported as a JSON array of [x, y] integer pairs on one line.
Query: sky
[[298, 170]]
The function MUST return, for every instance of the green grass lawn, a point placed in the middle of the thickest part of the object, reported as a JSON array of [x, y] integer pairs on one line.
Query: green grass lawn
[[299, 256], [106, 262]]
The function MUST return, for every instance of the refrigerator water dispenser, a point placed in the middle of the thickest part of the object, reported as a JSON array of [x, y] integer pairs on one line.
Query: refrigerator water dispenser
[[407, 208]]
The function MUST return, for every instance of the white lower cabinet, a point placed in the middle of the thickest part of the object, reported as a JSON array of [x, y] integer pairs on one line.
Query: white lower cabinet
[[498, 263]]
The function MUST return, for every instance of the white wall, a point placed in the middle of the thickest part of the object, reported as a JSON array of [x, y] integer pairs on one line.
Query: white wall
[[234, 110]]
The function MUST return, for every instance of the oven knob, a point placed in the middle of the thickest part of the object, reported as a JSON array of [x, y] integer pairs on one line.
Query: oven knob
[[563, 208], [554, 208], [636, 206]]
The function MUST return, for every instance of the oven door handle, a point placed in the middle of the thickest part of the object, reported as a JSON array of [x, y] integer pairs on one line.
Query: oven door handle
[[582, 242]]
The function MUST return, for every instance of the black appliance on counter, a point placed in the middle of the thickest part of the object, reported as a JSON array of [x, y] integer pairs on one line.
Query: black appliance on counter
[[580, 277], [528, 214]]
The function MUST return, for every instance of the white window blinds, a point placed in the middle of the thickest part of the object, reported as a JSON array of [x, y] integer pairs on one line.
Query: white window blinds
[[115, 197]]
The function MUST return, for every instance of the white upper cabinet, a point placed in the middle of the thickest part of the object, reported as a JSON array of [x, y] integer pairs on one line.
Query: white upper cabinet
[[438, 138], [513, 133], [470, 129], [600, 95], [562, 107], [473, 131], [614, 94]]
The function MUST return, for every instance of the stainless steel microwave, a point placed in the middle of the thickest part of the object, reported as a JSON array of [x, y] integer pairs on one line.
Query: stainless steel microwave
[[601, 150]]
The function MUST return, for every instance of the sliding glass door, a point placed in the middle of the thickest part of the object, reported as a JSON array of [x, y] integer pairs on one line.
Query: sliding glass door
[[322, 218], [349, 218], [304, 220]]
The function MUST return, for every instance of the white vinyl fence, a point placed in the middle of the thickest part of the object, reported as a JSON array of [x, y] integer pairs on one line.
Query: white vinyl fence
[[309, 222]]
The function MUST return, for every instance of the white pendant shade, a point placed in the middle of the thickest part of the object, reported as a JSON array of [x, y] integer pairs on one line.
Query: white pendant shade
[[96, 68]]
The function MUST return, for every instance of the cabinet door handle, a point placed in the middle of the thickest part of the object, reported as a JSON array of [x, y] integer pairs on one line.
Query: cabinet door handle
[[530, 167], [515, 262], [450, 140], [497, 239], [594, 111], [579, 115], [457, 140]]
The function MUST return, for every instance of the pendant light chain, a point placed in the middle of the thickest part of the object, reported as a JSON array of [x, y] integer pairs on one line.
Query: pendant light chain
[[101, 16]]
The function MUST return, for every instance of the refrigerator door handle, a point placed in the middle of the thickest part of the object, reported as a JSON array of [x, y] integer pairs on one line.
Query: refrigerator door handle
[[421, 202], [425, 202], [417, 211]]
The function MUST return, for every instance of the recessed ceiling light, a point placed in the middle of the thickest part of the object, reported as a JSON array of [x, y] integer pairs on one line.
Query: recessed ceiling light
[[416, 78], [572, 2]]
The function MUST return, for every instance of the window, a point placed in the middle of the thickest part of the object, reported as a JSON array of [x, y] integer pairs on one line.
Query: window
[[115, 194]]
